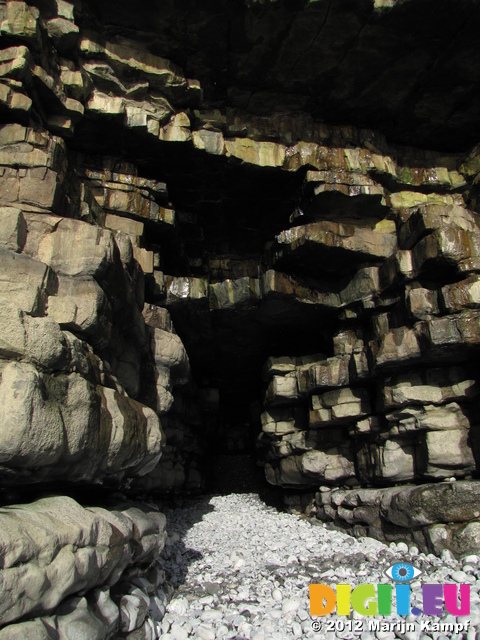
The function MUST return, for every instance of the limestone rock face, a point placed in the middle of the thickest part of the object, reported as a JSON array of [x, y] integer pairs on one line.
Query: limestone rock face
[[196, 257]]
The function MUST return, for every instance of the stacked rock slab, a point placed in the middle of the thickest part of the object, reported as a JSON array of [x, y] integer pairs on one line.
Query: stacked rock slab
[[183, 258], [86, 368]]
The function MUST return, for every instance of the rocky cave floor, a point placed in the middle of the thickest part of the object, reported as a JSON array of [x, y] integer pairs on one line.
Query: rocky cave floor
[[241, 569]]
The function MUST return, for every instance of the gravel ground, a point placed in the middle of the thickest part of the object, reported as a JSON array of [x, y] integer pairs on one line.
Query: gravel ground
[[241, 569]]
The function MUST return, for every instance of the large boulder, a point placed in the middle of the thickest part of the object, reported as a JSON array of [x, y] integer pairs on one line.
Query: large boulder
[[60, 425], [437, 503], [53, 548]]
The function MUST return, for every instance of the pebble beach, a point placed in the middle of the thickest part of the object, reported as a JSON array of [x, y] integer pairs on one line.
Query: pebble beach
[[241, 570]]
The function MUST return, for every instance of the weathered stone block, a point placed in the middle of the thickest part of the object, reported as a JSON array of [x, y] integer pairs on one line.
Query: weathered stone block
[[13, 229], [338, 406], [434, 386], [345, 342], [399, 345], [263, 154], [447, 246], [133, 228], [242, 292], [283, 420], [427, 219], [144, 259], [63, 32], [460, 539], [209, 141], [364, 285], [28, 282], [282, 389], [21, 20], [397, 269], [158, 318], [32, 433], [367, 425], [332, 372], [184, 288], [428, 417], [102, 104], [461, 295], [448, 450], [394, 461], [317, 238], [71, 247], [434, 503], [422, 303], [280, 366], [169, 352], [127, 58], [359, 367], [327, 466], [54, 547], [55, 425], [441, 334], [81, 305]]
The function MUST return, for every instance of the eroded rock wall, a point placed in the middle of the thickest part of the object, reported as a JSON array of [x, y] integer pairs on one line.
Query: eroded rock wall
[[194, 257]]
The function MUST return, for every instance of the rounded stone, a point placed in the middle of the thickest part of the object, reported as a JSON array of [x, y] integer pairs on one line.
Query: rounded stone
[[277, 595], [460, 576], [291, 605], [178, 632], [402, 547], [204, 633]]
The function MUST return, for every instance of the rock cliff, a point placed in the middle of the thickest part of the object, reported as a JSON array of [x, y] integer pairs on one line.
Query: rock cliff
[[221, 225]]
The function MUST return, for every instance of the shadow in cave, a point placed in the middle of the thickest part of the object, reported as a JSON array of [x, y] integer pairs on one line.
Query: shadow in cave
[[182, 514]]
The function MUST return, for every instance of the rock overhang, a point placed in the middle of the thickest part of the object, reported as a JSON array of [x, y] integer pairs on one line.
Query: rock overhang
[[406, 68]]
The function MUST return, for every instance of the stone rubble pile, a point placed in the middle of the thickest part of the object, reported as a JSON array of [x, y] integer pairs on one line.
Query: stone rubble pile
[[255, 585]]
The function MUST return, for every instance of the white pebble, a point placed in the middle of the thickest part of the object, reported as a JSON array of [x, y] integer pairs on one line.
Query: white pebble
[[178, 632], [468, 568], [260, 596], [459, 576], [210, 616], [302, 614], [292, 604], [177, 606], [204, 633], [277, 595], [447, 556]]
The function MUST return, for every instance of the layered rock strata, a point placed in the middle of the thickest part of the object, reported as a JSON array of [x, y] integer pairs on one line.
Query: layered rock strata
[[192, 257], [434, 516]]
